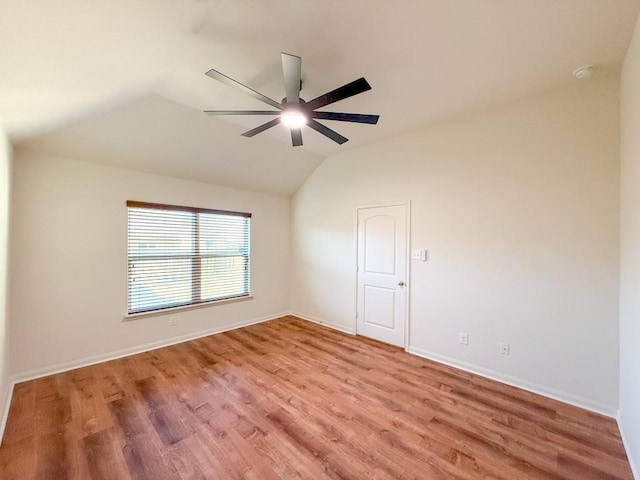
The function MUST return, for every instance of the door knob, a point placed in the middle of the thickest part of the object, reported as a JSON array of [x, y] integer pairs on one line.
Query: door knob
[[401, 284]]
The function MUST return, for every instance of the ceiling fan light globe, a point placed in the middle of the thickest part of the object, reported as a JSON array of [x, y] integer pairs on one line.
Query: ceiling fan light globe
[[293, 119]]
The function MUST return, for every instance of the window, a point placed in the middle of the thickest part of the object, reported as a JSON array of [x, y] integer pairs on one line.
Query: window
[[185, 256]]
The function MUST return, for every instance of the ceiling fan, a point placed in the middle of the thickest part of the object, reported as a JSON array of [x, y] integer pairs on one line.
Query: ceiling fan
[[293, 111]]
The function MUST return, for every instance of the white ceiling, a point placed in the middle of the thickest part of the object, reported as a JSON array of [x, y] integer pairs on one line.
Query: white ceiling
[[122, 82]]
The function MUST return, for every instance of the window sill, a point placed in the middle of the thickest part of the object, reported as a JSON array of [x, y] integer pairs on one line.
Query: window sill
[[168, 311]]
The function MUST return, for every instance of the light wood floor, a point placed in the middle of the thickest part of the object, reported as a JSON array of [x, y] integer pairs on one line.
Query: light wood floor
[[288, 399]]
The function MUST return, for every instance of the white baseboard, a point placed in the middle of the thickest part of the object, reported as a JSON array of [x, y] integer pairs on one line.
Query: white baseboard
[[559, 395], [635, 470], [335, 326], [5, 408], [85, 362]]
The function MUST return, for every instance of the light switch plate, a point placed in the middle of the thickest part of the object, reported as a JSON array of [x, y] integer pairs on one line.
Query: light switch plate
[[420, 254]]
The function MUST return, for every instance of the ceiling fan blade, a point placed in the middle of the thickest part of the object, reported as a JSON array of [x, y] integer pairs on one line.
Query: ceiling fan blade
[[242, 112], [327, 132], [291, 71], [262, 128], [345, 91], [296, 137], [346, 117], [249, 91]]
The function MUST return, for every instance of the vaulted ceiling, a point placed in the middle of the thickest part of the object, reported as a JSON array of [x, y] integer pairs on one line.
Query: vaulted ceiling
[[122, 83]]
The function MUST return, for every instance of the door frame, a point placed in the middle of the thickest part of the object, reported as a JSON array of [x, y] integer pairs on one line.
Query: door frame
[[407, 311]]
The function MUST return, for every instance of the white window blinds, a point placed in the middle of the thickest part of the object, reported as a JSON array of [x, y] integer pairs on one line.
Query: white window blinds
[[182, 256]]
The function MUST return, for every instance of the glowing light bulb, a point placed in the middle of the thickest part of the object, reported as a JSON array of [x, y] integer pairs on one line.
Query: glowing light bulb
[[293, 118]]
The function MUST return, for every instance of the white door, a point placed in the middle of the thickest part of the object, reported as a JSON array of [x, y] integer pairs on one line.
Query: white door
[[382, 273]]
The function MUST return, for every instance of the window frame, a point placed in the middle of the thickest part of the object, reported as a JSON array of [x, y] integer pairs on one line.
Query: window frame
[[196, 260]]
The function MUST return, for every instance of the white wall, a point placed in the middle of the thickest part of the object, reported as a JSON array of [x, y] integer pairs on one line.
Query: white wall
[[69, 267], [629, 419], [518, 208], [5, 169]]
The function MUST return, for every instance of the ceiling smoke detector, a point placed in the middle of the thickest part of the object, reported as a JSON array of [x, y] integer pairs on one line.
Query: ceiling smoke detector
[[584, 72]]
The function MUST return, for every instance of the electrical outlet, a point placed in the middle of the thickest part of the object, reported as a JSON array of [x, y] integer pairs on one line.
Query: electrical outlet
[[504, 348], [172, 321], [464, 338]]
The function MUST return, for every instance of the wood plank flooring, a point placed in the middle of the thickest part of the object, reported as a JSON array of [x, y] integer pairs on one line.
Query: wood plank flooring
[[288, 399]]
